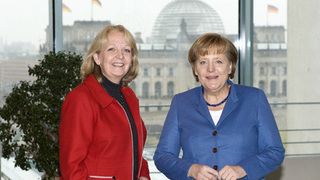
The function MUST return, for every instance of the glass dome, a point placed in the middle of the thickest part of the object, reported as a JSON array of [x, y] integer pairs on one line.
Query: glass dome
[[198, 16]]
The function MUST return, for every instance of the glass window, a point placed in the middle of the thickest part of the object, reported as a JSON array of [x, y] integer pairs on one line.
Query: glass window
[[20, 40], [262, 71], [22, 35], [158, 72], [274, 70], [273, 88], [157, 90], [293, 27], [284, 88], [161, 39], [262, 85], [170, 71], [164, 31], [145, 72], [170, 89], [133, 86], [145, 90]]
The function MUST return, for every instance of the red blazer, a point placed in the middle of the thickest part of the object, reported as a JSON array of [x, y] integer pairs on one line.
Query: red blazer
[[95, 135]]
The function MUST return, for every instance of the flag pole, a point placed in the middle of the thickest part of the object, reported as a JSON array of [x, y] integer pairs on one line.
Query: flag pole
[[267, 16], [91, 11]]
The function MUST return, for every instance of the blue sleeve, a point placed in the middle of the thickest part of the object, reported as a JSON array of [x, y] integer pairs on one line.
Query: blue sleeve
[[166, 156], [271, 150]]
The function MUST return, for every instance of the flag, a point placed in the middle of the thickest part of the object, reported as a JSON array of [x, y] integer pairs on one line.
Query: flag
[[97, 2], [65, 8], [272, 9]]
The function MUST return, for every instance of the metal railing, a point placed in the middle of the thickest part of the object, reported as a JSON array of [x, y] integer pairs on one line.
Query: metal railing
[[315, 142], [285, 143]]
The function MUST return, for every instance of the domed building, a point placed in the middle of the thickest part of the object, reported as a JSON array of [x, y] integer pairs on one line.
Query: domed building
[[185, 18], [164, 69]]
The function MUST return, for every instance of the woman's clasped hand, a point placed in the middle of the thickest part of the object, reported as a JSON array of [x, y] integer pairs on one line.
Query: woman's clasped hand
[[203, 172]]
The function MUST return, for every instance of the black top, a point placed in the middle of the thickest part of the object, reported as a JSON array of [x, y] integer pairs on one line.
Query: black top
[[115, 92]]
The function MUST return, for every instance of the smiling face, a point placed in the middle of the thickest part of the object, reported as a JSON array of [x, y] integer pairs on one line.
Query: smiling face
[[115, 58], [213, 71]]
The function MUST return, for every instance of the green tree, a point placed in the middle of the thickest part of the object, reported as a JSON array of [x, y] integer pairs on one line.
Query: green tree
[[31, 114]]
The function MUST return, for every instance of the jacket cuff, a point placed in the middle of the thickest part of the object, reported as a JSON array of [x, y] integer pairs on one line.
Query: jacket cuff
[[145, 170]]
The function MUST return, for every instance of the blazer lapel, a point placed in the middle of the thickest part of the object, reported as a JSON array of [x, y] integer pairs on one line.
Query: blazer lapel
[[231, 104], [98, 92], [202, 106]]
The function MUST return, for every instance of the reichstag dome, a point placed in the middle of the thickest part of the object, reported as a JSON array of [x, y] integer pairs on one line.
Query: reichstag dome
[[195, 16]]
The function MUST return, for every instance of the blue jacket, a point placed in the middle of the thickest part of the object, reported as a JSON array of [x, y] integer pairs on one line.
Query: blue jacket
[[246, 135]]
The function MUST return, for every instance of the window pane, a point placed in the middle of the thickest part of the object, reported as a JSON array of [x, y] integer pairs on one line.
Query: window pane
[[22, 34], [20, 40], [270, 54], [164, 31], [286, 47]]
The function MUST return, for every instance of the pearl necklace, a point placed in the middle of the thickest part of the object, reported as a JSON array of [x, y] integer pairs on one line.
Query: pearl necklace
[[215, 105]]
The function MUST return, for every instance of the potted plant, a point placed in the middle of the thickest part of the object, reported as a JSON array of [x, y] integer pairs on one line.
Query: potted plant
[[30, 117]]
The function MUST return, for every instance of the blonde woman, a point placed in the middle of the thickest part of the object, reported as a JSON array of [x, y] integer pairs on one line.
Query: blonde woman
[[102, 134]]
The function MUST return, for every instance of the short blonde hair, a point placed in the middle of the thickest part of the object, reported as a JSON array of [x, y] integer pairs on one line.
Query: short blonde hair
[[90, 67], [213, 42]]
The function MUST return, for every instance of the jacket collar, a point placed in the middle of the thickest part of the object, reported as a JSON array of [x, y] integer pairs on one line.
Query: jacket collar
[[230, 105], [104, 99], [99, 93]]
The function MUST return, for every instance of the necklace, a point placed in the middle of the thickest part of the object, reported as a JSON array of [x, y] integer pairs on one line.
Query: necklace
[[215, 105]]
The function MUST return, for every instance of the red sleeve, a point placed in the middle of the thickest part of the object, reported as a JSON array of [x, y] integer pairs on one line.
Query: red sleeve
[[145, 168], [75, 135]]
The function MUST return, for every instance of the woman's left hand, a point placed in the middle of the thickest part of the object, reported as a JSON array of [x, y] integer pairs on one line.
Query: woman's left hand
[[231, 173], [143, 178]]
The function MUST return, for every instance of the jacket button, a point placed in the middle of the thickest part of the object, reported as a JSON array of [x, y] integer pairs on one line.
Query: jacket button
[[214, 133], [214, 150], [215, 167]]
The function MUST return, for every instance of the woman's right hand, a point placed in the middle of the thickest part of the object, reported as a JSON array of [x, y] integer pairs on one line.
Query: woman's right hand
[[202, 172]]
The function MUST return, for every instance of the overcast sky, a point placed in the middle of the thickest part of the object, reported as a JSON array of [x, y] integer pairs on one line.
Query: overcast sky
[[25, 20]]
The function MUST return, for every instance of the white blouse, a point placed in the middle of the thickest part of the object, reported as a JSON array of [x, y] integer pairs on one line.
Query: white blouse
[[215, 115]]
